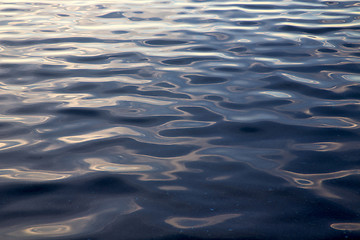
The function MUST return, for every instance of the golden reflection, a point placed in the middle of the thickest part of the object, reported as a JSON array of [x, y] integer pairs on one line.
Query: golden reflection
[[82, 101], [48, 230], [31, 175], [53, 84], [300, 79], [173, 188], [107, 133], [353, 78], [56, 97], [64, 228], [314, 181], [251, 117], [333, 122], [98, 164], [276, 94], [7, 144], [219, 178], [271, 60], [189, 222], [346, 226], [8, 87], [28, 120], [311, 181], [121, 79], [106, 211], [321, 25], [318, 146]]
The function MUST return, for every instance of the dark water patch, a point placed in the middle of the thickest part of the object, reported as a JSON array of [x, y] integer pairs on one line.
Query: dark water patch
[[18, 215], [203, 49], [155, 19], [277, 44], [352, 45], [143, 148], [316, 30], [228, 69], [30, 109], [322, 162], [248, 23], [84, 113], [238, 49], [144, 121], [351, 111], [139, 19], [327, 50], [187, 61], [164, 42], [258, 104], [113, 15], [349, 183], [13, 10], [136, 19], [285, 54], [258, 6], [165, 85], [119, 32], [81, 112], [246, 133], [198, 79], [165, 151], [296, 12], [108, 184], [201, 114], [158, 93], [26, 190], [279, 83], [63, 15], [213, 98], [9, 130]]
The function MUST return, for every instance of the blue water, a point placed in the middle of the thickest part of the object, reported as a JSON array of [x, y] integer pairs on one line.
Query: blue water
[[180, 119]]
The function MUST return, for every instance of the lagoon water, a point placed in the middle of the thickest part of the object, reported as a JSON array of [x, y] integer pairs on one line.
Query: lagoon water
[[179, 119]]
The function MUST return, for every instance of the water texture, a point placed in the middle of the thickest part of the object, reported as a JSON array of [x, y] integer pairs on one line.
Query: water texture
[[181, 119]]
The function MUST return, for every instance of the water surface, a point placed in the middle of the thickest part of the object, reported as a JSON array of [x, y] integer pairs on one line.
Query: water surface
[[179, 119]]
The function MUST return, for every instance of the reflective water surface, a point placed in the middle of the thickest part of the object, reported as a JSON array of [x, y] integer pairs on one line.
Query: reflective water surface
[[179, 119]]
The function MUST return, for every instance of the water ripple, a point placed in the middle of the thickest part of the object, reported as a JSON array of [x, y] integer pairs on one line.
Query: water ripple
[[183, 119]]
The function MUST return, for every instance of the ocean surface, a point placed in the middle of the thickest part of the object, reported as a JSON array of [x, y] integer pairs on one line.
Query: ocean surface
[[179, 119]]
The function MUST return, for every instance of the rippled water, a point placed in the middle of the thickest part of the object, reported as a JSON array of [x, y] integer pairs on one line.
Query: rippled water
[[179, 119]]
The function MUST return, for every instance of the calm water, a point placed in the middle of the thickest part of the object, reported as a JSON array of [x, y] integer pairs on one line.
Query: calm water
[[182, 119]]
